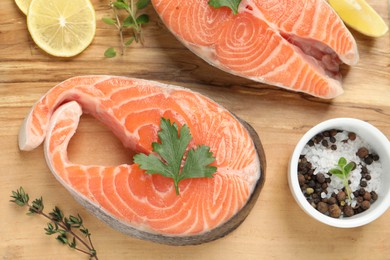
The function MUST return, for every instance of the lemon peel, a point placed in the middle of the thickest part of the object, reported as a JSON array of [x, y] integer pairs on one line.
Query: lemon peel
[[62, 28], [359, 15]]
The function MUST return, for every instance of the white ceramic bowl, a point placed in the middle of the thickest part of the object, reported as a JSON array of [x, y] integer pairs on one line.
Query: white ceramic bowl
[[378, 142]]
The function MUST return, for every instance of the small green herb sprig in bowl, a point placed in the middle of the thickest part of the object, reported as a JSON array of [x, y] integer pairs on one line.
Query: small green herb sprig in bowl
[[342, 171], [341, 168]]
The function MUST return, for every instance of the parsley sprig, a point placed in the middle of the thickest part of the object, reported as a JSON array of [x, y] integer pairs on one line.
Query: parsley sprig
[[127, 17], [171, 153], [232, 4], [64, 227], [342, 171]]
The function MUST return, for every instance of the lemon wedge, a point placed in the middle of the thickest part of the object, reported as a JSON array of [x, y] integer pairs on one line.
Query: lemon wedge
[[23, 5], [359, 15], [62, 28]]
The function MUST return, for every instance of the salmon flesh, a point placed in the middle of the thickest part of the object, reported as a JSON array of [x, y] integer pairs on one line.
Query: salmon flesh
[[293, 44], [124, 196]]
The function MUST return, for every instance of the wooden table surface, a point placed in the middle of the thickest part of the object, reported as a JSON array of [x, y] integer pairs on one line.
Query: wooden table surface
[[275, 229]]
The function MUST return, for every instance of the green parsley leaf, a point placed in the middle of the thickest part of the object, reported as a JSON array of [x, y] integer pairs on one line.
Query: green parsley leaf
[[232, 4], [171, 152]]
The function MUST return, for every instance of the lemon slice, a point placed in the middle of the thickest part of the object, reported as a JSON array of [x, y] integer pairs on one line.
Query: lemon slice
[[360, 16], [62, 28], [23, 5]]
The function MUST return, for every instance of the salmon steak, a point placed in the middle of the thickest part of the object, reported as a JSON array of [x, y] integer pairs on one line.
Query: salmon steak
[[294, 44], [143, 205]]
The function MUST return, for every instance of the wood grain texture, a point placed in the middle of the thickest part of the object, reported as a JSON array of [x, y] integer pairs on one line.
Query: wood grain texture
[[275, 229]]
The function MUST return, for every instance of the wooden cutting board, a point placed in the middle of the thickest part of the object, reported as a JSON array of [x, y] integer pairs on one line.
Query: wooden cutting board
[[276, 228]]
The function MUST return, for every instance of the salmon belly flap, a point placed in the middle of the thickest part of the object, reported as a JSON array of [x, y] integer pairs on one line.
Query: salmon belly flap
[[124, 196], [294, 44]]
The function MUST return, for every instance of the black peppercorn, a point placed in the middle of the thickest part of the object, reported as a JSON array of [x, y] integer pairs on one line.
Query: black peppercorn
[[374, 195], [320, 178], [368, 160]]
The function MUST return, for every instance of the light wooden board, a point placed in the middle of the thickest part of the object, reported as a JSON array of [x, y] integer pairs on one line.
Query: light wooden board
[[276, 228]]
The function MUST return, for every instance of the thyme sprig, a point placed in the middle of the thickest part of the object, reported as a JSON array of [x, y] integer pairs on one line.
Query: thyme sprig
[[126, 16], [64, 227]]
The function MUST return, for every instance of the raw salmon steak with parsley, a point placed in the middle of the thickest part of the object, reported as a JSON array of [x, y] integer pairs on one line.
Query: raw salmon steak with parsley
[[294, 44], [124, 196]]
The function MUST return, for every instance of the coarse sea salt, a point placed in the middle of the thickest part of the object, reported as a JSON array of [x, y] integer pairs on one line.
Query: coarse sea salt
[[323, 159]]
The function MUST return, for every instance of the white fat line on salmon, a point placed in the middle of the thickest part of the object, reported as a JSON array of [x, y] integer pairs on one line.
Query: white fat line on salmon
[[168, 229], [199, 210], [131, 100], [249, 7], [298, 22], [264, 64], [124, 205], [103, 196]]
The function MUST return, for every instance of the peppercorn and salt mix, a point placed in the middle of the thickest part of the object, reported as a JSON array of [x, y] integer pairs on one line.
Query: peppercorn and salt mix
[[329, 193]]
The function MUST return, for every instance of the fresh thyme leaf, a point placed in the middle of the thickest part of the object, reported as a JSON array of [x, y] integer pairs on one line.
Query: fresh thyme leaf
[[171, 152], [73, 243], [108, 21], [121, 5], [232, 4], [142, 19], [129, 41], [20, 198], [129, 21], [110, 53], [141, 4]]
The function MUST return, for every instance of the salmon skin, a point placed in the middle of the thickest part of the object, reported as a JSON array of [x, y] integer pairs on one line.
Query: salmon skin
[[124, 196], [293, 44]]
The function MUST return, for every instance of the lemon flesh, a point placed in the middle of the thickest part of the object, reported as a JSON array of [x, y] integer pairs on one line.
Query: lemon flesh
[[359, 15], [23, 5], [62, 28]]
